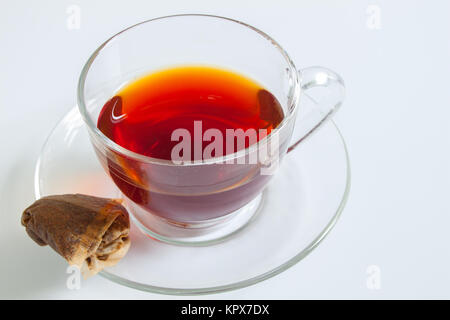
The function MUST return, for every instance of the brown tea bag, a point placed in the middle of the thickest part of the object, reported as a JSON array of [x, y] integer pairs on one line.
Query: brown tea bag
[[87, 231]]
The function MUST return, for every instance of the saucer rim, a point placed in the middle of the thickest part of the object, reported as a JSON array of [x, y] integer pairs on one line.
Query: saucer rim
[[235, 285]]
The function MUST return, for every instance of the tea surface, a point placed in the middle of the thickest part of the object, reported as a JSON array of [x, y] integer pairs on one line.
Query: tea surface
[[143, 115]]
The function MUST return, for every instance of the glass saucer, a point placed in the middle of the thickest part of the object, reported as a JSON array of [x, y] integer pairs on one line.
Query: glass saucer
[[301, 205]]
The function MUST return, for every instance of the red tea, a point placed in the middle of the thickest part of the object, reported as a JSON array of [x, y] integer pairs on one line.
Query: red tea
[[142, 117]]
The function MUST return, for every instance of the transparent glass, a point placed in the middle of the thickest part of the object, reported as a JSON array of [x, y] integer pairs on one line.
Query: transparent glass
[[204, 201], [301, 205]]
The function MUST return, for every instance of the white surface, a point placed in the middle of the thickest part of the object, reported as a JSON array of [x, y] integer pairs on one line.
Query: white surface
[[395, 121]]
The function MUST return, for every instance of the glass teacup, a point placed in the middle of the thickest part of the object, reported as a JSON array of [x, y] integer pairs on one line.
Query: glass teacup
[[200, 202]]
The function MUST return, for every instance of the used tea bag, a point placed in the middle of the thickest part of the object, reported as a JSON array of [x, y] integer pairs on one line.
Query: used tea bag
[[89, 232]]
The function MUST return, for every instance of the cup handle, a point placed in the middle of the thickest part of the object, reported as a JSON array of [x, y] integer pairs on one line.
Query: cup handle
[[328, 100]]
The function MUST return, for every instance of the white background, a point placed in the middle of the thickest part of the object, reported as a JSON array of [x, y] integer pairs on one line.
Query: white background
[[395, 121]]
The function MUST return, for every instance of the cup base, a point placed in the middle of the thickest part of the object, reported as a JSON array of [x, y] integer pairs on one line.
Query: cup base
[[199, 233]]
